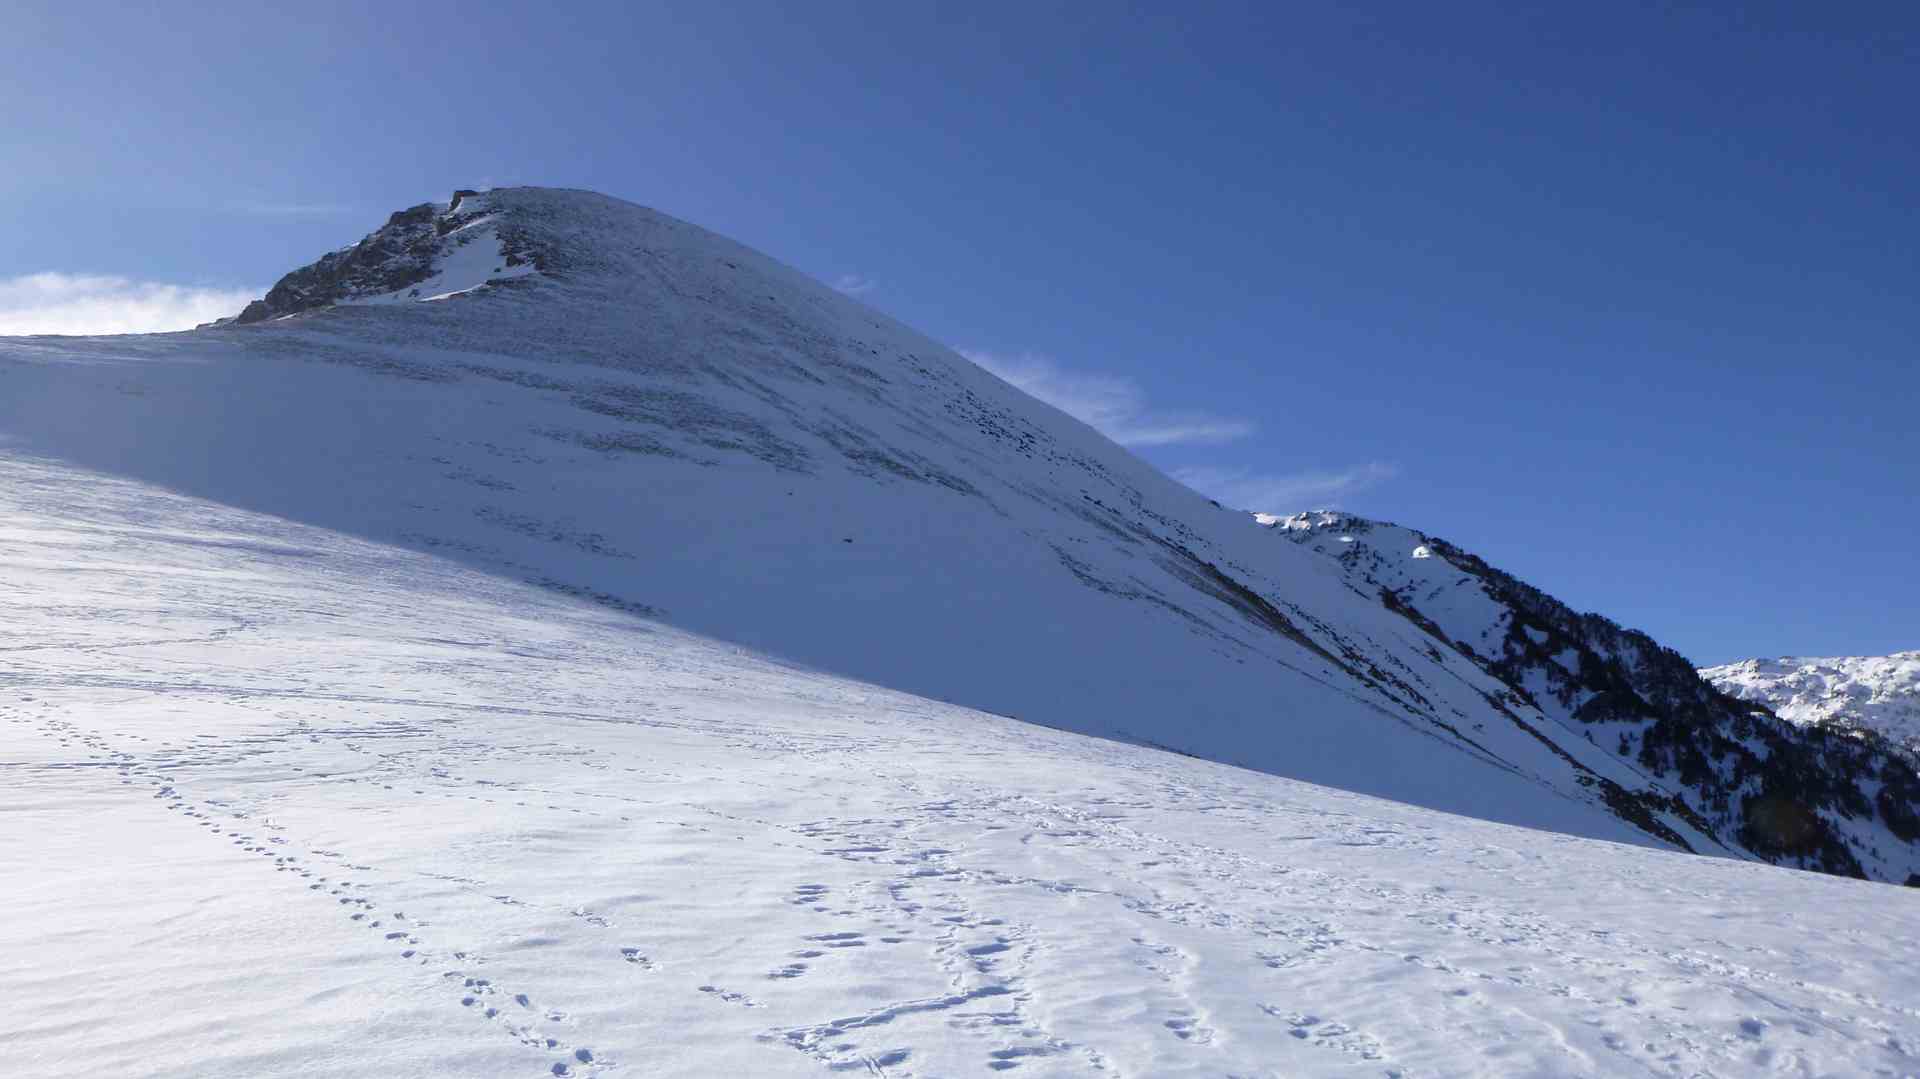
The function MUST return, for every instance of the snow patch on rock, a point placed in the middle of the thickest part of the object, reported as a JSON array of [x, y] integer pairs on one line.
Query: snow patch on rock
[[474, 258]]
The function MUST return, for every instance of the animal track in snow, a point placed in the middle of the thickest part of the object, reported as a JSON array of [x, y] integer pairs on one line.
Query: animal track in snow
[[1188, 1028], [1002, 1060], [839, 940], [1327, 1034], [355, 899], [730, 996]]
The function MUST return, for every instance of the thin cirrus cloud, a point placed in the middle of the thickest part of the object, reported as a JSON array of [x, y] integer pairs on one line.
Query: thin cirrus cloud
[[1284, 492], [1118, 407], [84, 304], [1114, 405], [854, 285]]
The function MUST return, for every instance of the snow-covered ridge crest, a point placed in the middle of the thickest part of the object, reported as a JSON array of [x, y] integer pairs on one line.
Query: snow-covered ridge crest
[[426, 252], [1861, 693]]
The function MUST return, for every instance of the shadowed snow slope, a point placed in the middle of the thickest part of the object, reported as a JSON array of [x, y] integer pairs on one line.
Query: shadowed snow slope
[[571, 391], [280, 801]]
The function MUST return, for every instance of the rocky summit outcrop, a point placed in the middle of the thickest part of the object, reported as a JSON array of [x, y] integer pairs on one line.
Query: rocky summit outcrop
[[1880, 694], [393, 260]]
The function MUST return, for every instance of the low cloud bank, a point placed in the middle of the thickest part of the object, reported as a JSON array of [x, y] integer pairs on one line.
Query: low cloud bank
[[85, 304]]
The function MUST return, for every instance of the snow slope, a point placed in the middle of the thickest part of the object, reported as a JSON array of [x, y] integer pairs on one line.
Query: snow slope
[[1873, 693], [282, 800], [679, 428]]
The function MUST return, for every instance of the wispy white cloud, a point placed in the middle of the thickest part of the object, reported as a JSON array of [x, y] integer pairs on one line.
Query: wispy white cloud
[[1114, 405], [1292, 492], [854, 285], [100, 304]]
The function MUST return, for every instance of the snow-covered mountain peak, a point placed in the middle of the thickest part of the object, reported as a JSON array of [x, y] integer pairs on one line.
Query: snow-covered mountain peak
[[1874, 693], [583, 665], [687, 432], [579, 244]]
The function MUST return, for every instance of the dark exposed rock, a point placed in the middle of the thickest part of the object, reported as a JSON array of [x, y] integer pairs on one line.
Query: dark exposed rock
[[393, 258], [1756, 776], [1735, 770]]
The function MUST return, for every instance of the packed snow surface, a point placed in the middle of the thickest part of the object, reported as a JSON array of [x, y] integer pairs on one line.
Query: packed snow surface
[[284, 801], [1876, 693]]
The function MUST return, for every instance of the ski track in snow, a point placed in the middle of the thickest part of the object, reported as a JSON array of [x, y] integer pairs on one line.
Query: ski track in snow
[[279, 800]]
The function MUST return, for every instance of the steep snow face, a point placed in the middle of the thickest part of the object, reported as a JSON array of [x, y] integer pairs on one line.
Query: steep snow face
[[282, 802], [1871, 693], [682, 429], [1833, 804]]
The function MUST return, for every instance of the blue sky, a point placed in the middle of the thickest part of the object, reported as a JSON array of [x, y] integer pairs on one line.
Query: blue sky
[[1625, 299]]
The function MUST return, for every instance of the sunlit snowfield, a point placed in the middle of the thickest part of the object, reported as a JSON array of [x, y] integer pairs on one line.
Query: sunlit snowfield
[[279, 801]]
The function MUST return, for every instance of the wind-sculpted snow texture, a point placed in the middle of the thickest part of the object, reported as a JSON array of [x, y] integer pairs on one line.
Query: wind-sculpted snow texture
[[1863, 693], [673, 426], [1810, 797], [284, 801]]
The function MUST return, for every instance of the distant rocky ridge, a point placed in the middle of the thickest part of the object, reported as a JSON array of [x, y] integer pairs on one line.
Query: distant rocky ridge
[[1880, 694], [1791, 791]]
